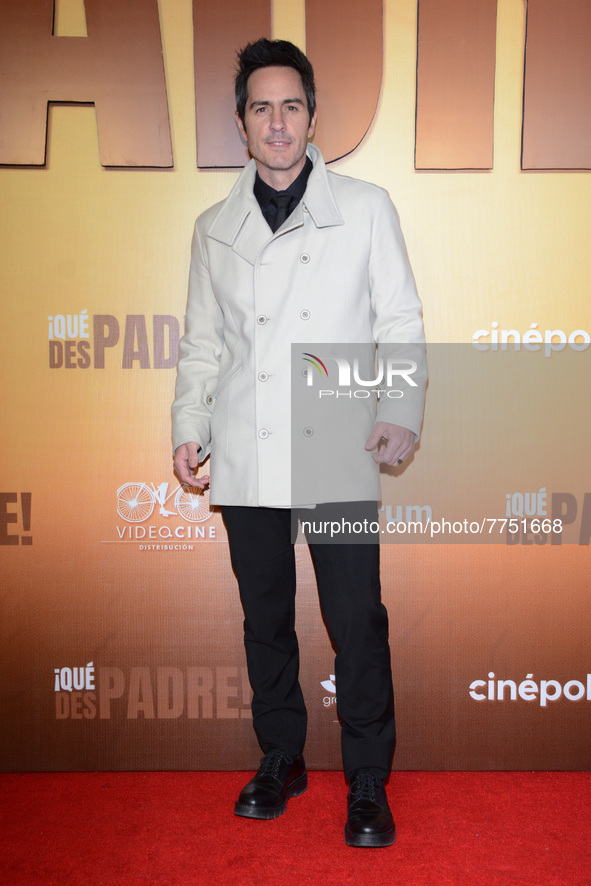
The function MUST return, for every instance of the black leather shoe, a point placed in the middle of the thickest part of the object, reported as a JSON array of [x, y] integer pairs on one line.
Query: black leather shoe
[[279, 778], [369, 820]]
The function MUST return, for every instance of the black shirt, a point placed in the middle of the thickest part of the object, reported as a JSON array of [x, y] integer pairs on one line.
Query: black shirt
[[264, 192]]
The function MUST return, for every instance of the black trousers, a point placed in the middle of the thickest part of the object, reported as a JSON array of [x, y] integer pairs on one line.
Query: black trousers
[[348, 580]]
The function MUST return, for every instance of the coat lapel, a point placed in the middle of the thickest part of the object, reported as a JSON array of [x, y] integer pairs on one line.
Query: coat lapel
[[318, 199], [240, 223]]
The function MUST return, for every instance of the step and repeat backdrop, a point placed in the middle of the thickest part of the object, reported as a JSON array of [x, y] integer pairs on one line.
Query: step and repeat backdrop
[[120, 630]]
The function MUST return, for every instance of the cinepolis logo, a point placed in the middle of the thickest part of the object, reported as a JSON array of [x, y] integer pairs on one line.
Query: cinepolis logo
[[529, 690], [533, 339]]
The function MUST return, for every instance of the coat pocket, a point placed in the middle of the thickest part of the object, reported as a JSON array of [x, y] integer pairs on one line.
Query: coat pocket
[[223, 383]]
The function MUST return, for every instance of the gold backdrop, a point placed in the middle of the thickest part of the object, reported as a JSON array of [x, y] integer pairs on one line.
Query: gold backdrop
[[120, 636]]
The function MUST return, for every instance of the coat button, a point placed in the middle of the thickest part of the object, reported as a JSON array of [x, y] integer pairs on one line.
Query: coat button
[[263, 433], [263, 376], [209, 400], [308, 432], [261, 319], [305, 315], [304, 258]]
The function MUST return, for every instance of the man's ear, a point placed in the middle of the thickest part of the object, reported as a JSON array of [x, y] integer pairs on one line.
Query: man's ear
[[312, 126], [240, 124]]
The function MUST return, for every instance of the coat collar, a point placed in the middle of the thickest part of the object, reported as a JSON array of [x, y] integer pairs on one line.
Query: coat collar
[[240, 223]]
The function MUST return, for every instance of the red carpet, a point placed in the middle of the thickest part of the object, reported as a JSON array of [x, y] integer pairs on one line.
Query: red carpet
[[531, 829]]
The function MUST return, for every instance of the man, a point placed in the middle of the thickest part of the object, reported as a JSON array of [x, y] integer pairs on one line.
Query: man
[[295, 254]]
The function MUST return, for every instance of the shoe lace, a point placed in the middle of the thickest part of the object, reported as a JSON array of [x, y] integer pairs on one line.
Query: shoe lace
[[364, 786], [271, 762]]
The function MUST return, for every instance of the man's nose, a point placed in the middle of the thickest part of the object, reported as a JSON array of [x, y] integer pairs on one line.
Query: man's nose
[[277, 119]]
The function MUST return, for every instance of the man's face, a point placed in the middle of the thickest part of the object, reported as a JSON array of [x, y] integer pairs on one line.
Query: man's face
[[277, 124]]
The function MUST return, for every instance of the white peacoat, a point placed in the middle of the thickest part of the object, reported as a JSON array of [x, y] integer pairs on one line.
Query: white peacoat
[[336, 271]]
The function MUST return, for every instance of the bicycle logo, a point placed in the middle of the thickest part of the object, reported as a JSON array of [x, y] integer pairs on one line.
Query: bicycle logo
[[136, 502]]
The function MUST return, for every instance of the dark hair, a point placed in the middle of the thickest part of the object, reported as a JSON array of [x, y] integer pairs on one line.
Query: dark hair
[[267, 54]]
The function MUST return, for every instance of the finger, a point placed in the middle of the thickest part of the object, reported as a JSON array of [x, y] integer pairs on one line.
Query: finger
[[193, 455], [186, 476], [196, 482], [373, 439], [393, 454], [381, 456], [390, 450], [183, 469], [403, 455]]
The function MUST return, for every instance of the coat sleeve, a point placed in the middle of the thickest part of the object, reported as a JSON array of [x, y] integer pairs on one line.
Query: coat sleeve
[[199, 354], [397, 320]]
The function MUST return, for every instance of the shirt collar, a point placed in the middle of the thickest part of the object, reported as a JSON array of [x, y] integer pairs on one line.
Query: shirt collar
[[264, 192]]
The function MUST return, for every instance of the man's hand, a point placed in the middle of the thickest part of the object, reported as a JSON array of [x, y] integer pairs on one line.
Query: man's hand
[[186, 459], [393, 443]]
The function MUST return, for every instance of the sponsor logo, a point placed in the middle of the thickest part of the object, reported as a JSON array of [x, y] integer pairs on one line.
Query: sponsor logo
[[136, 502], [533, 339], [159, 693], [407, 513], [164, 517], [329, 686], [139, 341], [530, 690]]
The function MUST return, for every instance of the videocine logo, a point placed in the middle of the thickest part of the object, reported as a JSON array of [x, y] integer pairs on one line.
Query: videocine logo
[[136, 502], [388, 371], [184, 511]]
